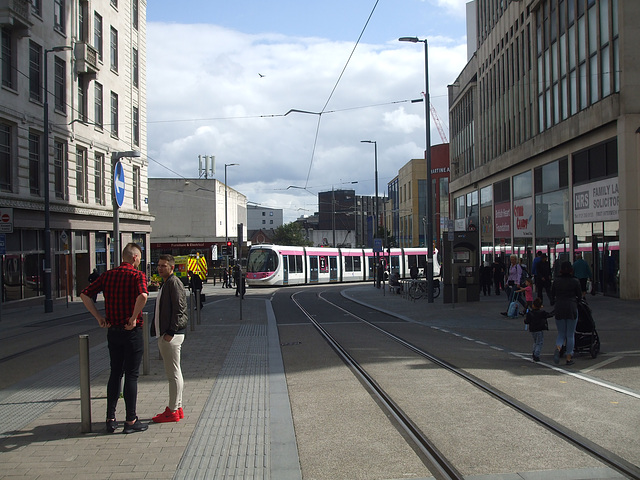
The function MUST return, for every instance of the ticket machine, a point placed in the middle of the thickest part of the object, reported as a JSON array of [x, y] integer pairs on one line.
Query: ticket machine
[[460, 267]]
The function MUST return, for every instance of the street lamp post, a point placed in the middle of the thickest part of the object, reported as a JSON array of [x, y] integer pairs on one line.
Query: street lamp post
[[115, 157], [429, 239], [375, 207], [226, 226], [48, 291]]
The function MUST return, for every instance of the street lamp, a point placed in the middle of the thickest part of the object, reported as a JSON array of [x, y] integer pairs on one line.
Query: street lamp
[[48, 296], [429, 239], [226, 226], [375, 209], [118, 193]]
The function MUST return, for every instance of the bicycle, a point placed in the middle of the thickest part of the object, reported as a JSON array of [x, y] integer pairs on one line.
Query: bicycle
[[418, 289]]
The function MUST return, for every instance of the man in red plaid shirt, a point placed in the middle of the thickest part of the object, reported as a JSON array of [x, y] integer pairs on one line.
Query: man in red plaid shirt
[[125, 295]]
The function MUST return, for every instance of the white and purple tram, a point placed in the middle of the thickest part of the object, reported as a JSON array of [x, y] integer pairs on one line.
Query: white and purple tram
[[269, 265]]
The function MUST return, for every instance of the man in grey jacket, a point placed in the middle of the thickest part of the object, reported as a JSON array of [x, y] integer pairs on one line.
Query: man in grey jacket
[[169, 327]]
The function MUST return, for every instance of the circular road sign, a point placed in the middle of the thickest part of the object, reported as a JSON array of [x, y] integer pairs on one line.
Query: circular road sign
[[118, 183]]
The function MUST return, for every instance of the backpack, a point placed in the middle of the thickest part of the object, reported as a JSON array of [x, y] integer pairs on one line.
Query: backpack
[[512, 311]]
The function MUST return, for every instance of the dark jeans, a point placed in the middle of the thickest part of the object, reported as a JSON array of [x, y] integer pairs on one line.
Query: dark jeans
[[542, 285], [125, 351]]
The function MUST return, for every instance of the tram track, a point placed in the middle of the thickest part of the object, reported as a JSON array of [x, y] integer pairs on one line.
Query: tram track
[[438, 463]]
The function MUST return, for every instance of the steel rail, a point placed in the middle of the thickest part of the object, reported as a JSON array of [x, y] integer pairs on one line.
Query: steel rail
[[607, 457], [438, 464]]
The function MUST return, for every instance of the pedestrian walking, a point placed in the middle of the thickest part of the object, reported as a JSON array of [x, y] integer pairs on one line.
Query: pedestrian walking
[[536, 321], [565, 295], [543, 277], [486, 278], [169, 326], [195, 284], [581, 271], [498, 275], [125, 295]]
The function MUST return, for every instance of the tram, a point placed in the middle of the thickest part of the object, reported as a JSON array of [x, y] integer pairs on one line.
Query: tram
[[274, 265]]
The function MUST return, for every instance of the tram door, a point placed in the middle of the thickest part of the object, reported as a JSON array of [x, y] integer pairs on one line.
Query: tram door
[[333, 269], [285, 269], [313, 269]]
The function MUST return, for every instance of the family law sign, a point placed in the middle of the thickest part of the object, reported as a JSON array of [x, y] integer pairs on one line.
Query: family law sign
[[596, 202]]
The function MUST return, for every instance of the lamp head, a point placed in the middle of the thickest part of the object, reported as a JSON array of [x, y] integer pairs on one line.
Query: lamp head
[[409, 39]]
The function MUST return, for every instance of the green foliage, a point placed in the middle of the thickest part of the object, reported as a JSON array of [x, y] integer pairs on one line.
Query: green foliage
[[291, 234]]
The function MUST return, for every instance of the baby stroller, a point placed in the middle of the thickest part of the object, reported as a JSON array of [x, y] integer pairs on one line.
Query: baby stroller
[[586, 337]]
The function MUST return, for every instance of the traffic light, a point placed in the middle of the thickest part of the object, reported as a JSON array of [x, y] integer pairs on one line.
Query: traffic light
[[229, 248]]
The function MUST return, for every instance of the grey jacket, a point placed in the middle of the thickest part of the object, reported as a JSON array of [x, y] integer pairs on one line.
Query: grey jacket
[[173, 308]]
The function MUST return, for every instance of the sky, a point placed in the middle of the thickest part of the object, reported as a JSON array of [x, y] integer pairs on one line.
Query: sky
[[222, 75]]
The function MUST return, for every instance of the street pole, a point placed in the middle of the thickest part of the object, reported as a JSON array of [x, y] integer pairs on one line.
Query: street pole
[[226, 224], [427, 119], [47, 283], [48, 296], [115, 158]]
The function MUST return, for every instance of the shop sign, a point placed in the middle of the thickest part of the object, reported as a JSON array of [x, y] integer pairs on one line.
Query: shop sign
[[596, 202], [502, 222], [523, 218]]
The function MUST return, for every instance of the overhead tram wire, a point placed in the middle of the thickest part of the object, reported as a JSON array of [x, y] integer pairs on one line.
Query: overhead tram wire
[[315, 140]]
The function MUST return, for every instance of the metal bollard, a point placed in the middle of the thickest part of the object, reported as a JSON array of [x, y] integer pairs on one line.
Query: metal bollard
[[146, 328], [85, 384], [191, 314]]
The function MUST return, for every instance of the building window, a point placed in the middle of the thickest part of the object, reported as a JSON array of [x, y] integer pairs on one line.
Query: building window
[[36, 7], [97, 34], [5, 157], [35, 71], [134, 13], [60, 85], [98, 113], [114, 114], [136, 188], [114, 3], [136, 74], [8, 60], [59, 169], [82, 98], [98, 170], [58, 15], [114, 49], [34, 163], [81, 174], [136, 126], [83, 18]]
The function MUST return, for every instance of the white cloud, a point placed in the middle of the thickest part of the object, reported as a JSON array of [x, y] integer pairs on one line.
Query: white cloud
[[205, 96]]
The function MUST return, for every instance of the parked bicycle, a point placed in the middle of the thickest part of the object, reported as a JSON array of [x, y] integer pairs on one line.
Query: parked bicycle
[[418, 289]]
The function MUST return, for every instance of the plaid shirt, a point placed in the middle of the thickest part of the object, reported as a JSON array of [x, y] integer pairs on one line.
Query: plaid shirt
[[121, 287]]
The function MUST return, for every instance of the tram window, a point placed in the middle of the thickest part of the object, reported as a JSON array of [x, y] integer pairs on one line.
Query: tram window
[[357, 264], [348, 264], [295, 263]]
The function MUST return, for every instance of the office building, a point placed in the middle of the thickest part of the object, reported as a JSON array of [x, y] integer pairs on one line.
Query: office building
[[86, 61], [545, 125]]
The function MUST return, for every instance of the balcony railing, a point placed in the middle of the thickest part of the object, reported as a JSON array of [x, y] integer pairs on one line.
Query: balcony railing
[[86, 58], [15, 14]]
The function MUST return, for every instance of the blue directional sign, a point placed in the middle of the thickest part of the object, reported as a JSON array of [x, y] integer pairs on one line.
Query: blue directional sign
[[118, 183]]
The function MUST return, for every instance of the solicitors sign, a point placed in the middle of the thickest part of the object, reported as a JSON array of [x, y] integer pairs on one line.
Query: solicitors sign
[[596, 202]]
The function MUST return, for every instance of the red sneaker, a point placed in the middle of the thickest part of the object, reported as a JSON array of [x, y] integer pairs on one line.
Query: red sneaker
[[181, 413], [167, 416]]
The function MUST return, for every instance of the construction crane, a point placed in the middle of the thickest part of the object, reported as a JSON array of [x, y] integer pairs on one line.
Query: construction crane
[[436, 120], [438, 123]]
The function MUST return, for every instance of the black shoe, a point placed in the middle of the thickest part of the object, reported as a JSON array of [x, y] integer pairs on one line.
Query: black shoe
[[536, 359], [112, 425], [570, 362], [136, 426], [504, 313]]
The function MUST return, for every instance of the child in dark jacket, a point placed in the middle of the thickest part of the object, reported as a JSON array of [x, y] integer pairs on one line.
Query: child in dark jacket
[[536, 320]]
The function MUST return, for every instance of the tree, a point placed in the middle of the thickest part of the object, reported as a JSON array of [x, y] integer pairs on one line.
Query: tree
[[291, 234]]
